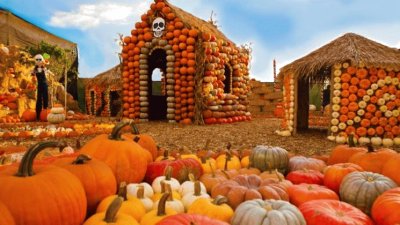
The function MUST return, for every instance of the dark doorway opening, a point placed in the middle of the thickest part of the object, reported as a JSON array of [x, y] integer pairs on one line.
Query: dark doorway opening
[[92, 103], [115, 103], [103, 104], [157, 62], [228, 79]]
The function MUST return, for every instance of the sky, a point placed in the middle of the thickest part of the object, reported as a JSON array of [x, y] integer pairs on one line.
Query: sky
[[284, 30]]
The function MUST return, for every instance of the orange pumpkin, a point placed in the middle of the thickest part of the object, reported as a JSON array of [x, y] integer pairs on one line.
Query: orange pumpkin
[[144, 140], [334, 174], [5, 215], [342, 153], [30, 191], [127, 159], [29, 115], [372, 160], [97, 178]]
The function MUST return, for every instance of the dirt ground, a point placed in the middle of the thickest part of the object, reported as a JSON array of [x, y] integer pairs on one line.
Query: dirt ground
[[259, 131]]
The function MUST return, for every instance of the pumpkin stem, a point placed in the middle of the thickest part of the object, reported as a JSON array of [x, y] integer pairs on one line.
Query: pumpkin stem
[[122, 192], [370, 148], [136, 139], [77, 144], [225, 174], [140, 192], [219, 200], [81, 159], [162, 203], [169, 190], [162, 184], [135, 129], [168, 173], [191, 177], [212, 169], [203, 159], [351, 140], [228, 158], [197, 188], [278, 175], [26, 166], [112, 210], [116, 131], [165, 155]]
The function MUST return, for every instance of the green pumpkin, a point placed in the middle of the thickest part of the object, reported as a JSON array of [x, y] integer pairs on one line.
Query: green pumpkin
[[360, 189], [269, 158]]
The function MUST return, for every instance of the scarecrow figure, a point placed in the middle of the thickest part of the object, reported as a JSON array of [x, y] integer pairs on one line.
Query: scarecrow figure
[[39, 71]]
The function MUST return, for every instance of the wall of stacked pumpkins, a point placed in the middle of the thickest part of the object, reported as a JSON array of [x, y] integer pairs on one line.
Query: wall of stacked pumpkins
[[365, 102], [222, 107], [138, 183]]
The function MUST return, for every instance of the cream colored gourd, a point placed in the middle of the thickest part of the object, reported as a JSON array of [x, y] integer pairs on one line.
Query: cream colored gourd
[[146, 201], [188, 187], [56, 115], [171, 203]]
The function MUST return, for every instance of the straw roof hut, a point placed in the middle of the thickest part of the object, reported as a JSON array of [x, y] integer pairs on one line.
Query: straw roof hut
[[348, 59], [186, 49], [102, 90]]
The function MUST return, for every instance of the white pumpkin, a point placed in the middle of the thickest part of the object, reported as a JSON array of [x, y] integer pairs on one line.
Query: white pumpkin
[[361, 112], [336, 79], [388, 114], [335, 107], [189, 186], [342, 126], [357, 119], [370, 92], [388, 80], [335, 114], [336, 93], [197, 193], [174, 183], [334, 129], [377, 141], [140, 195], [396, 140], [55, 118], [362, 104], [366, 98], [340, 139], [171, 203], [337, 86], [383, 108], [350, 122], [132, 189], [57, 110], [337, 73], [396, 113], [336, 100], [395, 81], [334, 121], [381, 83], [333, 138], [364, 140], [374, 86], [387, 142]]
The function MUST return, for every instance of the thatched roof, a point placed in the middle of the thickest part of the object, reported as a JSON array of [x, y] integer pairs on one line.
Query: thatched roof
[[109, 78], [199, 24], [351, 48]]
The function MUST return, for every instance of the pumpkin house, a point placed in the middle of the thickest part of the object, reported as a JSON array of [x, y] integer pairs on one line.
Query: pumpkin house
[[365, 88], [103, 93], [204, 75]]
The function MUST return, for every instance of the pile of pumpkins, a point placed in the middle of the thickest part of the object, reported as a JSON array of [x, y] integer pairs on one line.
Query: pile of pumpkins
[[125, 178]]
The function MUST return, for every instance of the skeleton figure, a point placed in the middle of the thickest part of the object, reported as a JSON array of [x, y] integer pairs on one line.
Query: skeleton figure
[[158, 27], [39, 74]]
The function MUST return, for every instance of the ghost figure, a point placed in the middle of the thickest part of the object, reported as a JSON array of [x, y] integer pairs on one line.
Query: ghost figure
[[158, 27]]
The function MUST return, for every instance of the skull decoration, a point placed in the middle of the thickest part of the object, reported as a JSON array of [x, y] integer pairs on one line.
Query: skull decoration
[[39, 60], [158, 27]]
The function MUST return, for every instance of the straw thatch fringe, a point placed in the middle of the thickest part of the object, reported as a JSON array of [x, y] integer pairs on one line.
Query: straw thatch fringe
[[351, 48], [195, 22], [111, 78]]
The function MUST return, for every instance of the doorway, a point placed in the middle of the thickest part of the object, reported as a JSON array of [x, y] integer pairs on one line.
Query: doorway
[[157, 62], [115, 103]]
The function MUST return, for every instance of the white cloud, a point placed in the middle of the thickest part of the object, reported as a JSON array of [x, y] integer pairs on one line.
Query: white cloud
[[92, 15]]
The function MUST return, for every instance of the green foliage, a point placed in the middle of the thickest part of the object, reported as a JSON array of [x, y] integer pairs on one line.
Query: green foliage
[[315, 96], [60, 59]]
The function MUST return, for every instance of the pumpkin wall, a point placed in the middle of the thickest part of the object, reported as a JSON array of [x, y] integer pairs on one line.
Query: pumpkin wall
[[194, 74], [365, 101], [288, 102]]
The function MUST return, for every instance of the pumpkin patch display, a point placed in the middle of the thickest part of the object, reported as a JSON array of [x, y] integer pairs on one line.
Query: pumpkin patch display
[[193, 55], [364, 90], [301, 193], [373, 160]]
